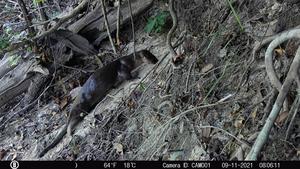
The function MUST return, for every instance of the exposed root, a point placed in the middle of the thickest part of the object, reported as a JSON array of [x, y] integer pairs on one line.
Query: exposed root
[[269, 59], [292, 74], [172, 30]]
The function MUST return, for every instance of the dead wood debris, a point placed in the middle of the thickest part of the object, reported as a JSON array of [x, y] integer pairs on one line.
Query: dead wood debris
[[63, 19]]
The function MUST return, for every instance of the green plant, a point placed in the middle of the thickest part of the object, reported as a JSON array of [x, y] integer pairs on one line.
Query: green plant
[[156, 23], [237, 18], [13, 60], [36, 2], [29, 49], [4, 42], [8, 33], [142, 86]]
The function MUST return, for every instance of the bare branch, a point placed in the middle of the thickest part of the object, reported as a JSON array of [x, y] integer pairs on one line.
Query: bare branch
[[172, 30], [43, 15], [63, 19], [132, 27], [118, 23], [26, 17], [107, 26]]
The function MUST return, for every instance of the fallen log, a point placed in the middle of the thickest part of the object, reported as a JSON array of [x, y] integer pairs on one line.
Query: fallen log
[[17, 80], [92, 25]]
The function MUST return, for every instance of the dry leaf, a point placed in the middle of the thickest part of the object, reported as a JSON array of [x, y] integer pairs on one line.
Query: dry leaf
[[19, 147], [252, 137], [281, 118], [64, 102], [119, 148], [206, 132], [206, 68], [254, 113], [178, 59], [161, 84], [119, 138], [53, 113], [130, 104], [222, 52], [239, 122], [279, 52], [41, 70], [181, 127], [238, 154]]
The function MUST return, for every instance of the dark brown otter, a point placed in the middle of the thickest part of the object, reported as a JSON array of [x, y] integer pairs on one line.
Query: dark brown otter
[[97, 86]]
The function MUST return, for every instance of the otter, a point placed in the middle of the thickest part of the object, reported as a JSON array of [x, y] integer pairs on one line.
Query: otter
[[96, 88]]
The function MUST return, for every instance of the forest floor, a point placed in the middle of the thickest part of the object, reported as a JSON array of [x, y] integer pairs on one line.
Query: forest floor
[[211, 108]]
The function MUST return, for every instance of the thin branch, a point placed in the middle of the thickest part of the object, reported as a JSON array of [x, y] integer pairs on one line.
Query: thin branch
[[132, 27], [107, 26], [294, 110], [172, 30], [256, 48], [215, 84], [43, 15], [118, 23], [188, 76], [26, 17], [226, 132], [63, 19]]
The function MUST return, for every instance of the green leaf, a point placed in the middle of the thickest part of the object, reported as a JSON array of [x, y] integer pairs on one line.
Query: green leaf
[[162, 18], [13, 60], [29, 48], [156, 23], [142, 87], [4, 42], [161, 21], [150, 25], [35, 2], [158, 30]]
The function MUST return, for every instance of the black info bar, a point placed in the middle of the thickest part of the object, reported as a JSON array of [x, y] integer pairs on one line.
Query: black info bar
[[147, 164]]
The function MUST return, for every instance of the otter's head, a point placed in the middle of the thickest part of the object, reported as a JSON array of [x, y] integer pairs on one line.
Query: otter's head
[[147, 57], [129, 62]]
